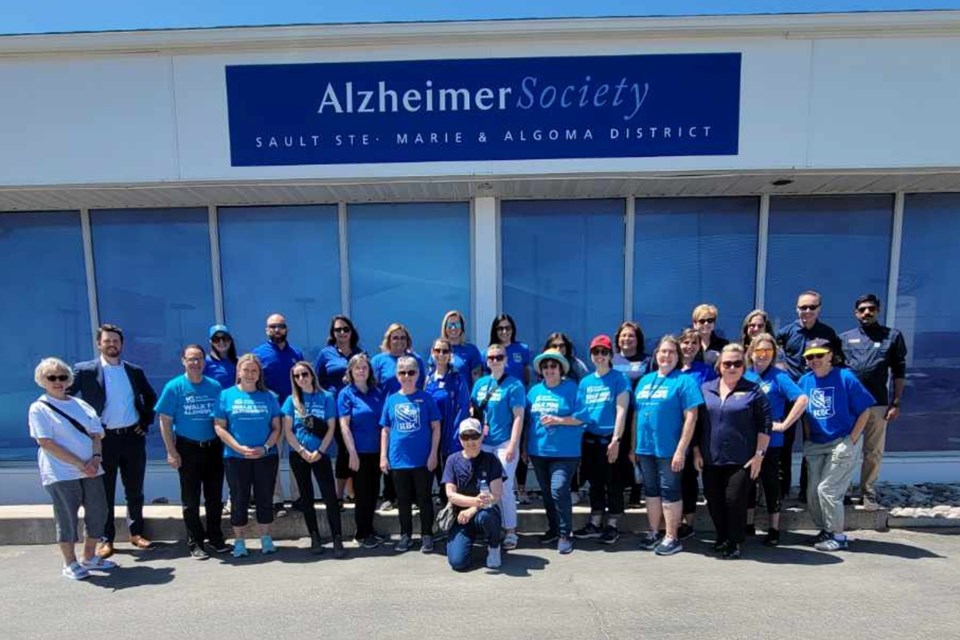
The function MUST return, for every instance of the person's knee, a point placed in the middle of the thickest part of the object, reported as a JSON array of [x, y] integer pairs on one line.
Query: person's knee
[[460, 563]]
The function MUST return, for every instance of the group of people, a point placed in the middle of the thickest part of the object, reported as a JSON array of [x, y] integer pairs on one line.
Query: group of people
[[699, 409]]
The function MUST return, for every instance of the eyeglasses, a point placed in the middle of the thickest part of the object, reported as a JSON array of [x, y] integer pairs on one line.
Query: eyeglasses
[[732, 364], [407, 373], [808, 307], [220, 339], [57, 378], [302, 374], [600, 352], [550, 364], [341, 329], [194, 360], [560, 346], [277, 326], [867, 307], [496, 358], [754, 325], [503, 328], [441, 352], [814, 356], [398, 338], [469, 437], [763, 352], [454, 325], [706, 321]]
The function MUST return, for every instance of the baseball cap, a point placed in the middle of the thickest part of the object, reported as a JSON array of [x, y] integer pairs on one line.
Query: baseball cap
[[602, 341], [470, 425], [816, 347], [219, 328]]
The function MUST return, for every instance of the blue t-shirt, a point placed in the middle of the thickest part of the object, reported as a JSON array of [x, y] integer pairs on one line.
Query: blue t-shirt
[[223, 372], [321, 406], [780, 390], [384, 368], [518, 359], [276, 366], [408, 418], [597, 401], [453, 401], [191, 406], [634, 368], [364, 411], [464, 360], [701, 372], [559, 441], [466, 473], [498, 413], [331, 365], [836, 401], [660, 403], [248, 417]]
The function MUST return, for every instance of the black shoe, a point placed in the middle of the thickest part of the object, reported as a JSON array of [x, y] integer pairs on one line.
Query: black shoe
[[197, 552], [549, 537], [847, 500], [316, 545], [338, 550], [279, 510], [720, 546], [802, 497], [426, 544], [732, 551], [220, 546], [773, 538], [610, 535], [370, 542], [684, 531], [750, 530], [404, 543], [589, 531]]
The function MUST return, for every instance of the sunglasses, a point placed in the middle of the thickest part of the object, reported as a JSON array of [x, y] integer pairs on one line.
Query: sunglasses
[[220, 339], [407, 373], [732, 364], [498, 358], [504, 328], [57, 378], [550, 364], [470, 437], [763, 352], [600, 352], [441, 352], [276, 326], [557, 345], [341, 329], [808, 307], [706, 321], [302, 374], [814, 356], [866, 307], [454, 325]]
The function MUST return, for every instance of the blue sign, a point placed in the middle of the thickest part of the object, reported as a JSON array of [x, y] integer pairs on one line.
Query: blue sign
[[496, 109]]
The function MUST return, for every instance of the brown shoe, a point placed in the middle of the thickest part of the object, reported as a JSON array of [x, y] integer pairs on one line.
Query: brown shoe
[[140, 542], [104, 549]]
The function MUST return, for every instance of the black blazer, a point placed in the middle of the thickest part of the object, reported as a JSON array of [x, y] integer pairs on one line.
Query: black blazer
[[88, 384]]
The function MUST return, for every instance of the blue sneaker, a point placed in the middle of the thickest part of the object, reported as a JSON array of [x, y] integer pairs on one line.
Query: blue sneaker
[[650, 540], [266, 545], [668, 547], [240, 548], [565, 545]]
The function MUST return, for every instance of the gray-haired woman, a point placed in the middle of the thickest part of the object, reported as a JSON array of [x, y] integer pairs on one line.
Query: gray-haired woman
[[68, 431]]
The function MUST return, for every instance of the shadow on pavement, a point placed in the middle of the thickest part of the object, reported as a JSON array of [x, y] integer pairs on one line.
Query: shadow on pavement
[[891, 549], [129, 577]]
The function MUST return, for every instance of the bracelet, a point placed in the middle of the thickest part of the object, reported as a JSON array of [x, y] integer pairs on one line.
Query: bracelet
[[96, 455]]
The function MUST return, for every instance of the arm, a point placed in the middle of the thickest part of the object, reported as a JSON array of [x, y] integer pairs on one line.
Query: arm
[[898, 371], [275, 432], [60, 453], [686, 436], [166, 431], [220, 426], [291, 438], [349, 443], [799, 406], [893, 411], [149, 399], [384, 447], [859, 425], [515, 432], [434, 445], [619, 426], [331, 428]]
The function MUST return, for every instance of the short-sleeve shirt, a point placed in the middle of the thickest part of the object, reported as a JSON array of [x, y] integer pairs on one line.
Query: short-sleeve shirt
[[700, 372], [728, 429], [223, 372], [364, 411], [44, 422], [634, 367], [659, 403], [248, 415], [277, 364], [597, 401], [518, 359], [321, 406], [191, 406], [452, 396], [875, 354], [466, 473], [409, 420], [498, 412], [384, 367], [780, 390], [465, 360], [331, 366], [835, 402], [793, 339], [558, 441]]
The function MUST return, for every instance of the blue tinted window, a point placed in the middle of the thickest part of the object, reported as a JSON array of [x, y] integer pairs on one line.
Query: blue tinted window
[[839, 246], [409, 263], [689, 251], [45, 293], [562, 268], [928, 314], [280, 260], [153, 280]]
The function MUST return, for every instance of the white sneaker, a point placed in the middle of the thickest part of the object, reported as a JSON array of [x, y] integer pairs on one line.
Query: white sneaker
[[510, 541], [75, 571], [96, 563], [493, 558]]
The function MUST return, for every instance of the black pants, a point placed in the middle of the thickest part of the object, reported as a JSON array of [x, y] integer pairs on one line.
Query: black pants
[[341, 466], [438, 474], [127, 453], [727, 488], [770, 479], [520, 475], [322, 470], [366, 489], [606, 479], [201, 471], [242, 474], [689, 484], [389, 490], [413, 485]]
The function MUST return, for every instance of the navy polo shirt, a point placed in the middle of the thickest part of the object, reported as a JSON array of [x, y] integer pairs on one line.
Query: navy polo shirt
[[727, 429], [276, 366], [331, 366], [793, 339], [875, 353]]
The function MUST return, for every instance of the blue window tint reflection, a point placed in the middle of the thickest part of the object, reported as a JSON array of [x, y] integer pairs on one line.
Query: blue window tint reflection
[[689, 251], [280, 260], [928, 314], [409, 263], [562, 268], [45, 313], [153, 280]]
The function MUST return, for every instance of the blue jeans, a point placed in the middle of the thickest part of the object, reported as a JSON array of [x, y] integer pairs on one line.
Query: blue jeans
[[553, 476], [486, 525], [659, 480]]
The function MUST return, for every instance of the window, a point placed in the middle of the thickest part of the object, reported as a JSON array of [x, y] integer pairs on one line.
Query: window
[[562, 266], [928, 314], [280, 260], [839, 246], [690, 251], [45, 286], [153, 280], [409, 263]]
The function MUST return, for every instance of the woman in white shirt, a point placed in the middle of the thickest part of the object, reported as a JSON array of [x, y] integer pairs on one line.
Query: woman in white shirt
[[68, 431]]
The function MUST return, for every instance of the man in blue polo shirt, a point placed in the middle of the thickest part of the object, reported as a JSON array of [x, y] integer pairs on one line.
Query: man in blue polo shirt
[[186, 408], [838, 410]]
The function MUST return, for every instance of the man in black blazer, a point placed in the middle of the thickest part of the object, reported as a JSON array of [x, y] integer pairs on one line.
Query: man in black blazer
[[124, 400]]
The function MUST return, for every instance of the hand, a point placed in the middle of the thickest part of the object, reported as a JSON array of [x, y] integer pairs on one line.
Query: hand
[[354, 462], [778, 427], [892, 413], [466, 515], [315, 456], [613, 451], [91, 467], [173, 459], [525, 456], [550, 421], [754, 465], [250, 452], [432, 462], [384, 465], [140, 431], [484, 501], [633, 457], [697, 460], [511, 453], [676, 464]]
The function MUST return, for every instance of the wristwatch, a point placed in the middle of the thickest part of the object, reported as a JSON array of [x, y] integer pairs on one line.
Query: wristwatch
[[761, 452]]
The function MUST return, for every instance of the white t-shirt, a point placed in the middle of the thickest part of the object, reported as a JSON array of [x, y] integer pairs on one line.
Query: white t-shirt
[[47, 423]]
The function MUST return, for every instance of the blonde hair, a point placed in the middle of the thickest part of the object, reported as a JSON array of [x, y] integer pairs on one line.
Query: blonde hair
[[249, 357], [296, 392], [733, 347], [702, 310], [51, 364], [393, 328], [463, 326], [757, 339]]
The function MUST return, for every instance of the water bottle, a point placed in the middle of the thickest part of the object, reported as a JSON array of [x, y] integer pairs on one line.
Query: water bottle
[[485, 494]]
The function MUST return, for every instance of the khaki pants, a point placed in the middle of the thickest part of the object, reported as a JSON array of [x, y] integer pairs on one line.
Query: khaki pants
[[874, 438], [830, 469]]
